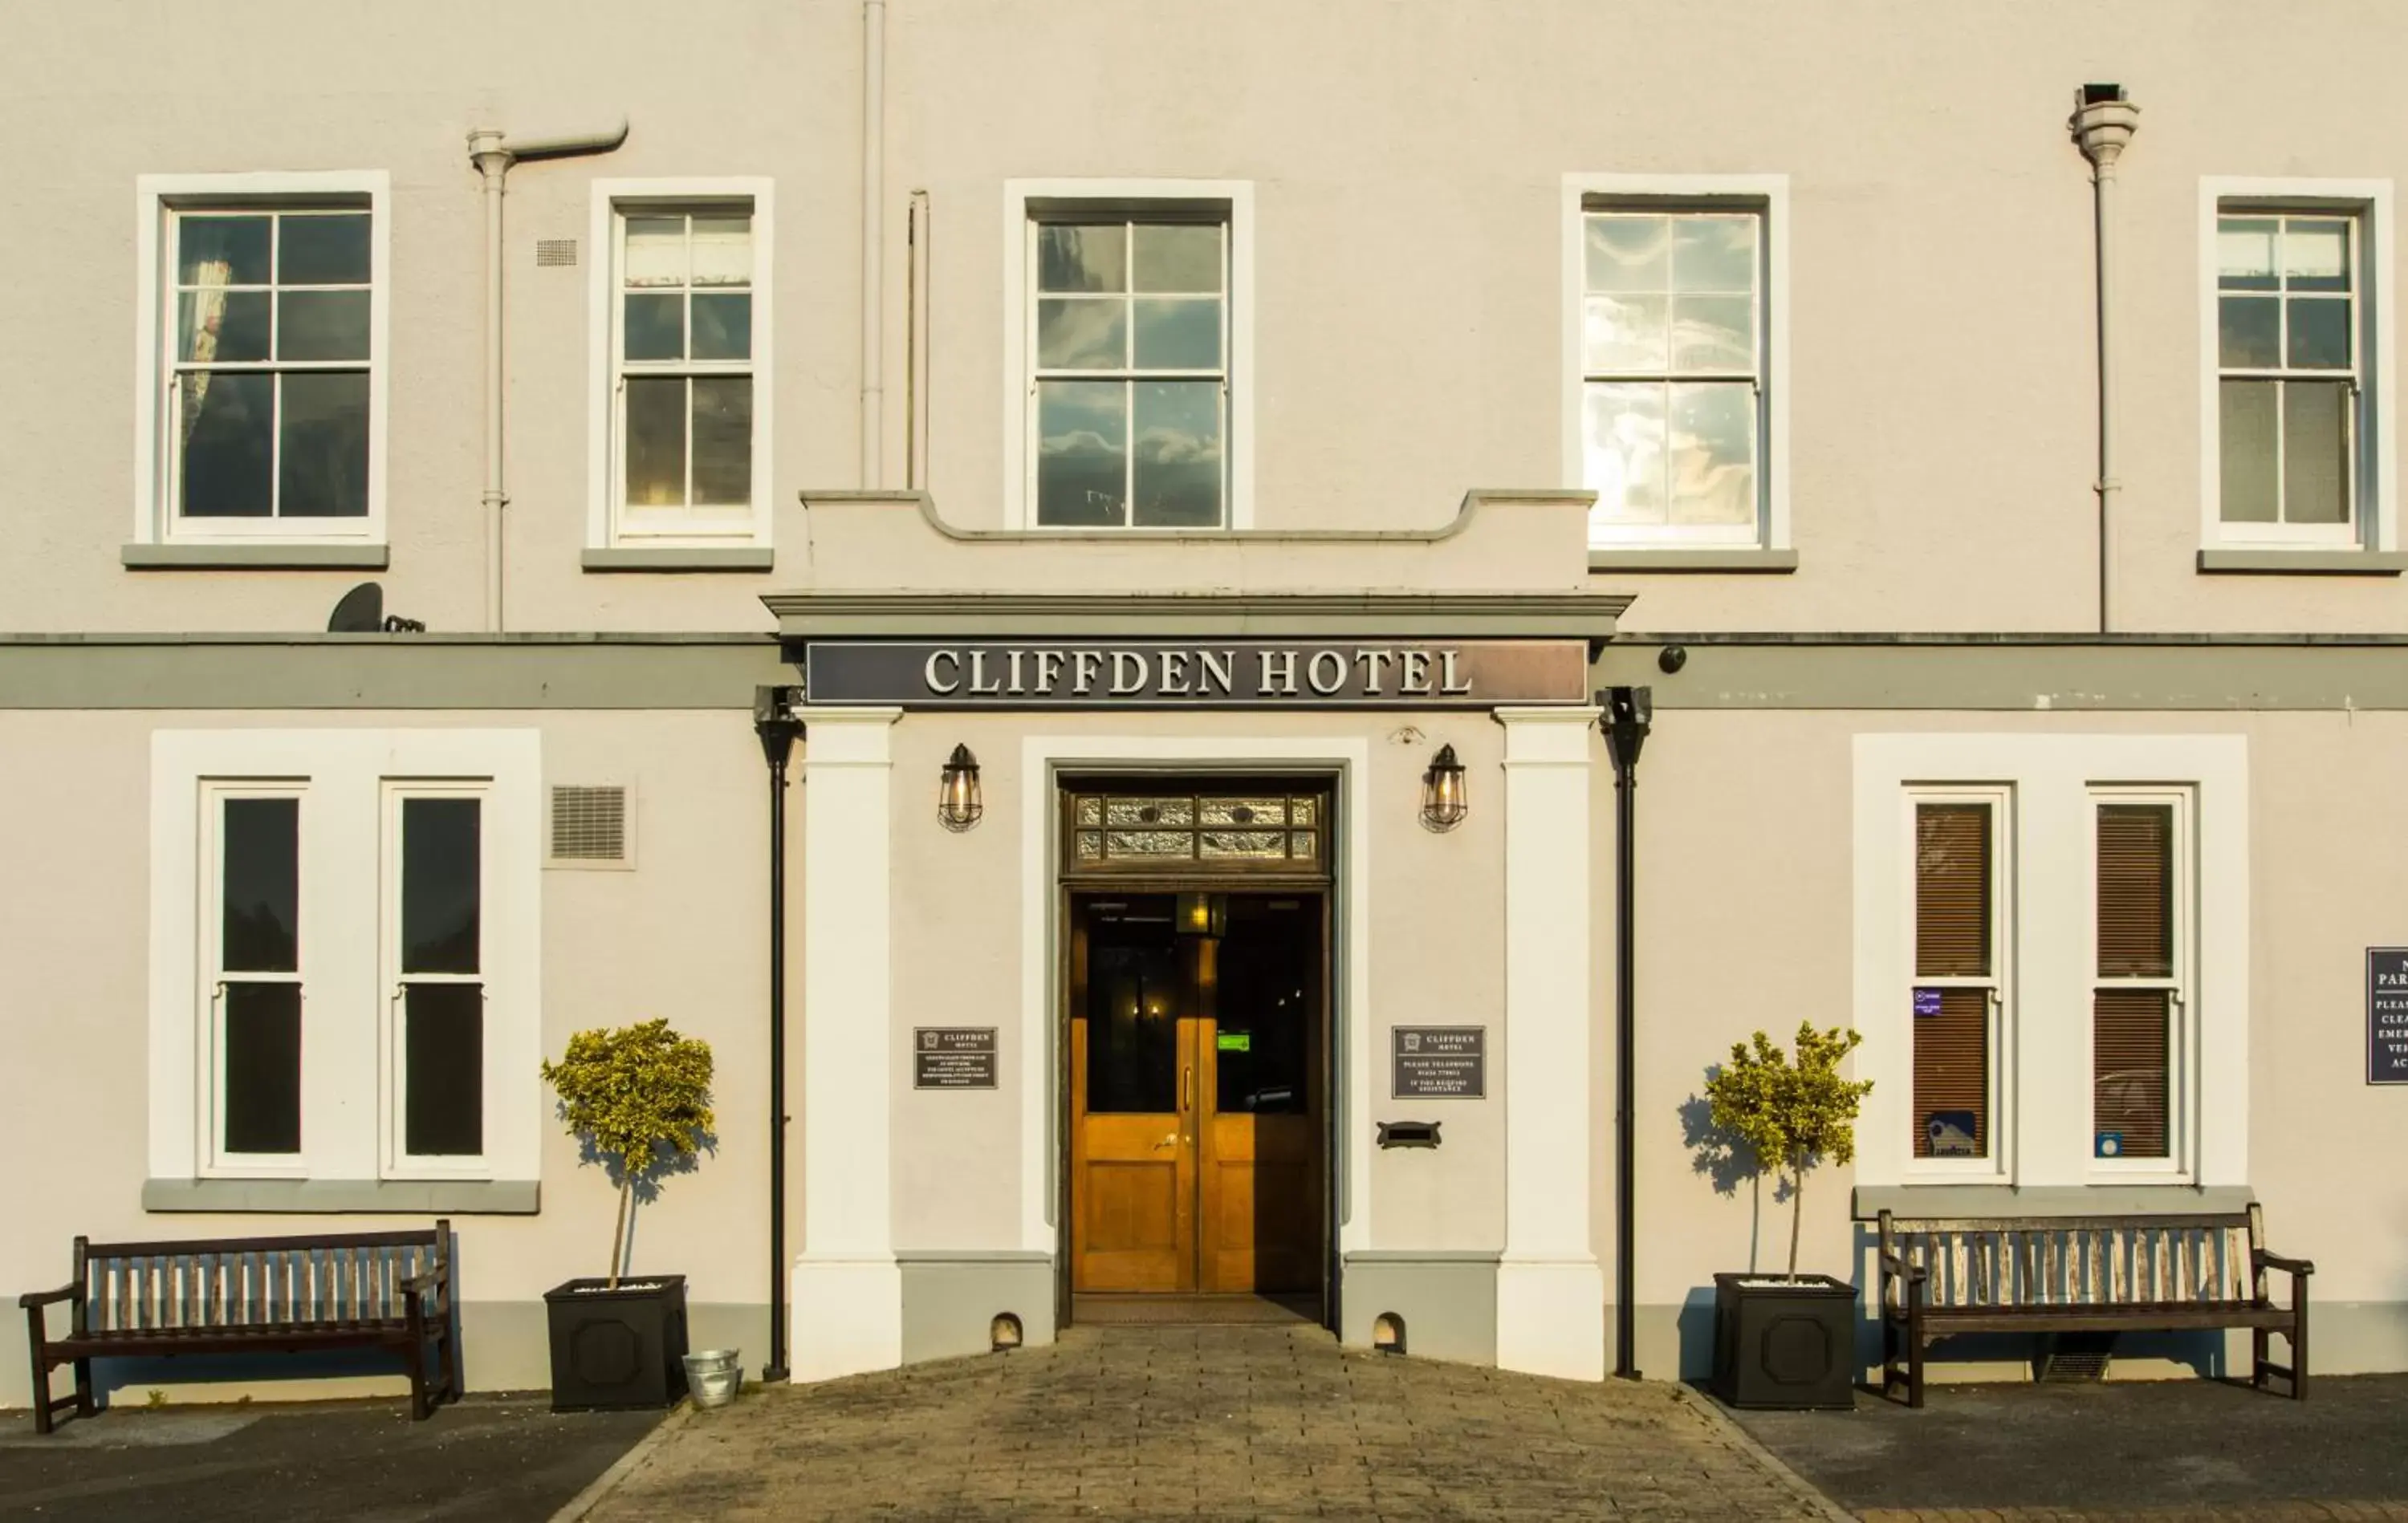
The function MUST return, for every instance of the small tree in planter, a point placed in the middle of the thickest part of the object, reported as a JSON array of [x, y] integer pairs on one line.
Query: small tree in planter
[[640, 1098], [1789, 1341]]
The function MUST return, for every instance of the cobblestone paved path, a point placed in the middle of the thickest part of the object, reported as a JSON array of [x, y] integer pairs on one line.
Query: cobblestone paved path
[[1207, 1422]]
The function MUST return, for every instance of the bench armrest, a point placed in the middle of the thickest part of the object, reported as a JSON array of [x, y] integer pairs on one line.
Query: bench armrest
[[2290, 1266], [32, 1299], [1913, 1274]]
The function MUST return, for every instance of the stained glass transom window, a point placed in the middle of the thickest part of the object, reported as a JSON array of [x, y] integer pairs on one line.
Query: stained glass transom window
[[1256, 829]]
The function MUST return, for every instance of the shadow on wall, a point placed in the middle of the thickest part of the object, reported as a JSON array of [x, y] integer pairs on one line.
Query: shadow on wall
[[1726, 1163], [645, 1186]]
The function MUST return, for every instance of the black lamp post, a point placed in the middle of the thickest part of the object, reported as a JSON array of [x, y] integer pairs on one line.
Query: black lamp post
[[775, 721], [1629, 713]]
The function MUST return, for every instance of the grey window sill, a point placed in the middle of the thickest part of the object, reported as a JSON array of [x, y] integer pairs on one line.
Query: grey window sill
[[463, 1197], [682, 558], [2306, 563], [2048, 1200], [266, 557], [1732, 562]]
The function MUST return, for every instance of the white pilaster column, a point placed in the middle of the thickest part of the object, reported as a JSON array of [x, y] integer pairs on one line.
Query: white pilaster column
[[847, 1291], [1550, 1288]]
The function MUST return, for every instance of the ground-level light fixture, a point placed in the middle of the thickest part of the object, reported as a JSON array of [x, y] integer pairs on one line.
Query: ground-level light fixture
[[1203, 913], [1444, 801], [959, 802]]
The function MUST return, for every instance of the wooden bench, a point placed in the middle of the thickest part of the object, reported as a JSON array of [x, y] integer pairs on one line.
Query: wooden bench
[[253, 1295], [2084, 1275]]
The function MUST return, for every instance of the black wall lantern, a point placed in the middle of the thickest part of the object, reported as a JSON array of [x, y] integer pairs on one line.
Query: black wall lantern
[[958, 803], [1443, 801]]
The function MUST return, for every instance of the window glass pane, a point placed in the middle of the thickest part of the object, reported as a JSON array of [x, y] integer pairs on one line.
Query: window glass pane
[[656, 421], [1178, 256], [1081, 451], [2316, 255], [2136, 871], [2315, 442], [2245, 438], [1083, 257], [440, 892], [1629, 335], [324, 472], [2319, 333], [1178, 454], [2244, 253], [2249, 332], [221, 250], [259, 849], [722, 441], [656, 251], [221, 325], [1714, 254], [1952, 1073], [655, 327], [228, 422], [322, 251], [1179, 334], [1133, 996], [723, 251], [1714, 333], [1628, 252], [2129, 1092], [1622, 441], [1269, 968], [1082, 336], [322, 325], [723, 325], [1713, 453], [443, 1069], [1952, 891], [260, 1101]]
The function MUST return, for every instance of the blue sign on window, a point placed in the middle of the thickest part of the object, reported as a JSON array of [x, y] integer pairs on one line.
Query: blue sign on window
[[2108, 1145], [1927, 1001]]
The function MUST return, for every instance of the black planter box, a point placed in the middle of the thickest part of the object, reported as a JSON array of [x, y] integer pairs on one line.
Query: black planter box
[[1785, 1343], [616, 1348]]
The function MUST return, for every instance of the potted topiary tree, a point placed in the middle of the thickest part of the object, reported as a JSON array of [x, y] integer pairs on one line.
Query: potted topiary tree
[[639, 1099], [1787, 1340]]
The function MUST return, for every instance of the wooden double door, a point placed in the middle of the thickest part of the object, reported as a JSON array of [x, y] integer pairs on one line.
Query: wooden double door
[[1198, 1093]]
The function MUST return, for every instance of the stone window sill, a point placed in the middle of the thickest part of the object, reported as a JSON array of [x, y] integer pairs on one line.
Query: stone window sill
[[2305, 562], [1723, 562], [459, 1197], [1940, 1199], [261, 557], [680, 558]]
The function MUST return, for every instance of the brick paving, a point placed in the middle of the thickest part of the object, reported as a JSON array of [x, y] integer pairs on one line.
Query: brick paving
[[1228, 1422]]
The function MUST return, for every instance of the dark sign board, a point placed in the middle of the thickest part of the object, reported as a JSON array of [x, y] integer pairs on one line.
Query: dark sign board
[[1211, 674], [953, 1058], [1437, 1062], [2387, 1014]]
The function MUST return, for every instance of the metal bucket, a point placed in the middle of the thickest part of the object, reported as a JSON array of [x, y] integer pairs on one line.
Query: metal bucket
[[714, 1376]]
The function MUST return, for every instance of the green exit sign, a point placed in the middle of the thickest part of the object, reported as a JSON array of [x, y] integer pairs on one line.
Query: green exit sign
[[1235, 1042]]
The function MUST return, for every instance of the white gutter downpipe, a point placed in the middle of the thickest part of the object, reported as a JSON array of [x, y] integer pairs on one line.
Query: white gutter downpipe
[[493, 155], [2102, 124], [873, 241]]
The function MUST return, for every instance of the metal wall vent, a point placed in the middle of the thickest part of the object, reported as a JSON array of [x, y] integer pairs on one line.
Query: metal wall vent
[[589, 826], [550, 252]]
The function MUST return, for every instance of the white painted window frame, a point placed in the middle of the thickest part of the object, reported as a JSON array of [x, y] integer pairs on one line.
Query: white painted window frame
[[612, 199], [2056, 781], [1025, 200], [216, 1162], [2001, 800], [392, 1093], [1767, 196], [345, 776], [2375, 513], [156, 199], [2183, 1116]]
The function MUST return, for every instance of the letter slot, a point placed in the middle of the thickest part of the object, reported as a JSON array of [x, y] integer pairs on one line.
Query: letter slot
[[1407, 1133]]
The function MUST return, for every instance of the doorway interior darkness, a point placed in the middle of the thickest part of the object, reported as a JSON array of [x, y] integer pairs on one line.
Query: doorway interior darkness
[[1197, 1038]]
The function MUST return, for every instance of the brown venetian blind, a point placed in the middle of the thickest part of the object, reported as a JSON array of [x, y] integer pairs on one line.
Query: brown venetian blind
[[2136, 929], [2130, 1028], [1952, 940]]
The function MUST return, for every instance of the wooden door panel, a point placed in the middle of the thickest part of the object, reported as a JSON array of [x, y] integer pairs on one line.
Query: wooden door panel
[[1133, 1193], [1262, 1233]]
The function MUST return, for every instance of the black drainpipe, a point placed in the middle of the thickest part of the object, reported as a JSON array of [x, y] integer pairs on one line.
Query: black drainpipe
[[1628, 714], [774, 721]]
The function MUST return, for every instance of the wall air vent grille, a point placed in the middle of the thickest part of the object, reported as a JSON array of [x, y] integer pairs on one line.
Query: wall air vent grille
[[555, 253], [589, 826]]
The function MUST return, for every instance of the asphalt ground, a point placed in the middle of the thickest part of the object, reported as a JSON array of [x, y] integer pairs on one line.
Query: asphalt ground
[[2104, 1449], [499, 1459]]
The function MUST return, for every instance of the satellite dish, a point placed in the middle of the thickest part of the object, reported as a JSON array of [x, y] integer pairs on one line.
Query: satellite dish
[[361, 612]]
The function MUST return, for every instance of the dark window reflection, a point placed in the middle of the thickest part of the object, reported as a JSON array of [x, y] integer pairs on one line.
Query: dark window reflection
[[229, 422], [439, 902], [260, 856], [1133, 996], [443, 1051], [1269, 980], [261, 1108]]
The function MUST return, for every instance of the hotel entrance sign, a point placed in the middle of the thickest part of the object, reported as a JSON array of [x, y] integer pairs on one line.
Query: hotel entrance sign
[[1202, 673], [953, 1058], [1437, 1062]]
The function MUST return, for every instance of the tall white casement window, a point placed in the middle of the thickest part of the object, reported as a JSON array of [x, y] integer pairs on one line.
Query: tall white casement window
[[250, 933], [1958, 991], [2141, 1042], [263, 367], [434, 848]]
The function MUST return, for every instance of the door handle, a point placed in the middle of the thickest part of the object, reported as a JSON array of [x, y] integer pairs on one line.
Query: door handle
[[1187, 1087], [1171, 1141]]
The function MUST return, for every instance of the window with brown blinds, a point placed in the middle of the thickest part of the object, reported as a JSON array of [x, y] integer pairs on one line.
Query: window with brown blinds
[[1954, 979], [2134, 1002]]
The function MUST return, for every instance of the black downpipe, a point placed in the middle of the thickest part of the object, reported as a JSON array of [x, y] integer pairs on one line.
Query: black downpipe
[[1629, 713], [774, 721]]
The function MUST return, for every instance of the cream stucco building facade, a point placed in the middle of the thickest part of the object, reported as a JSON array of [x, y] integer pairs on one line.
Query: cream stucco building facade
[[1758, 355]]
